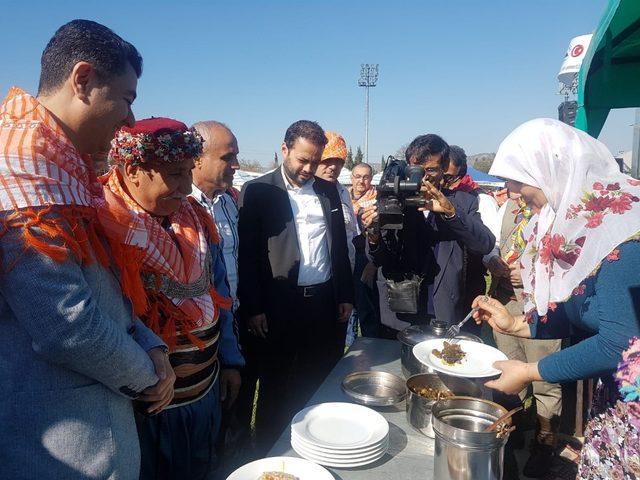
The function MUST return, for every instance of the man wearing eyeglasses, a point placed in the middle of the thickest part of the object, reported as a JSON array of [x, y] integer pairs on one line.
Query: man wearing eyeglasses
[[434, 239], [361, 189], [363, 195]]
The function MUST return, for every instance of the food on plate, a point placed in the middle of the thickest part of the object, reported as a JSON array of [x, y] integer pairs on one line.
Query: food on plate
[[451, 353], [431, 393], [277, 476]]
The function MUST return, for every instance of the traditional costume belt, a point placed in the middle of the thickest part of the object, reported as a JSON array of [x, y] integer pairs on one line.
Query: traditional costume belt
[[196, 370], [174, 289]]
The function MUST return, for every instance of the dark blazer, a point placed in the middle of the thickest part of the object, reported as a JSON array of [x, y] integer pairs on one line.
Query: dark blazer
[[269, 255], [444, 266]]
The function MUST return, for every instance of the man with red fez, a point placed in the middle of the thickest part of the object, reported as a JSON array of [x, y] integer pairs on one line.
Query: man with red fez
[[176, 278], [72, 354]]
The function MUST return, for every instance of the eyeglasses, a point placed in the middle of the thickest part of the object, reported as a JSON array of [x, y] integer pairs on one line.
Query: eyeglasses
[[361, 177], [448, 178]]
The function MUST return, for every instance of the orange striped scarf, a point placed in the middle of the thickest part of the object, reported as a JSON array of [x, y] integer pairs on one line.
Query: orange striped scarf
[[48, 188], [368, 198], [145, 247]]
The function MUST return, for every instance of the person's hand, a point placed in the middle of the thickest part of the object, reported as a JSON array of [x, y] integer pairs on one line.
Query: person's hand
[[436, 200], [515, 275], [230, 382], [369, 217], [494, 313], [257, 325], [344, 311], [368, 276], [498, 267], [161, 394], [516, 376]]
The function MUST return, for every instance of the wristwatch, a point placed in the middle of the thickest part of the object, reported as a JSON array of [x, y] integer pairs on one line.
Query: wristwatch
[[447, 217]]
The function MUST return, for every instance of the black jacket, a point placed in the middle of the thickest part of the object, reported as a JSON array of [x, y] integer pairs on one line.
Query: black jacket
[[269, 255], [443, 267]]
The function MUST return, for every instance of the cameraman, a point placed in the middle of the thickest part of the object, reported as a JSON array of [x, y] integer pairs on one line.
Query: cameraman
[[431, 244]]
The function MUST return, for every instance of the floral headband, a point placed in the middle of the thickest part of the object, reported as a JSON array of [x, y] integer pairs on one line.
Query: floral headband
[[168, 147]]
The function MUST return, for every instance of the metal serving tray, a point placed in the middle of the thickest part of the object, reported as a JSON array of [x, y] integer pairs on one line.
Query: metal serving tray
[[377, 389]]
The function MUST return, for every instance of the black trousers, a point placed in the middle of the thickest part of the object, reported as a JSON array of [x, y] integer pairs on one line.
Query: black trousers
[[304, 343], [367, 308]]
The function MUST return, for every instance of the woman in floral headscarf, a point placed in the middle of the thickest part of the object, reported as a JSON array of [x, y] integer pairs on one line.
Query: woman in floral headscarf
[[579, 271]]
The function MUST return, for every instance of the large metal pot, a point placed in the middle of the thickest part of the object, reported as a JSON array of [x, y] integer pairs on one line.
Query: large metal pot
[[463, 451], [411, 336], [419, 407]]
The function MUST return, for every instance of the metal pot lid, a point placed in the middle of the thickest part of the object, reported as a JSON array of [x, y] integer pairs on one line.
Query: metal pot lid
[[418, 333]]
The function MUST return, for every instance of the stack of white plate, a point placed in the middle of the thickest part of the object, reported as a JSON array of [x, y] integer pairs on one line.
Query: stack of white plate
[[341, 435]]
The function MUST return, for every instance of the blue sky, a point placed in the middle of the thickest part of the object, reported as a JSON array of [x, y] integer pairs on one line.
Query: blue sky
[[468, 70]]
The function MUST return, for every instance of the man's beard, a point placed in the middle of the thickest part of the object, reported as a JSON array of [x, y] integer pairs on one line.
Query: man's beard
[[294, 177]]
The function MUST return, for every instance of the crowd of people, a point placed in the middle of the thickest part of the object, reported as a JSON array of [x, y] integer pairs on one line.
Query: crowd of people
[[151, 310]]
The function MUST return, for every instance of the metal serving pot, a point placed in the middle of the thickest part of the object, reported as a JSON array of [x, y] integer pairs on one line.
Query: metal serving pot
[[411, 336], [463, 451], [419, 407]]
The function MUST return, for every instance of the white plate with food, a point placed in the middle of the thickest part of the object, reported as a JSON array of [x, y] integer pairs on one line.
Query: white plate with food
[[461, 359], [339, 426], [281, 468]]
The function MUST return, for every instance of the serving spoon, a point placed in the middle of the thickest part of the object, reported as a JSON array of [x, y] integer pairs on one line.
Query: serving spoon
[[504, 417]]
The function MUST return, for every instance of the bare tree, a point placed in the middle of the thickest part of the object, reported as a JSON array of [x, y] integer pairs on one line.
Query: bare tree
[[400, 152], [481, 161], [251, 166]]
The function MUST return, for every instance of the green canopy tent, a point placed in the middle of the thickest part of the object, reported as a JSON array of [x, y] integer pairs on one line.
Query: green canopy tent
[[610, 73]]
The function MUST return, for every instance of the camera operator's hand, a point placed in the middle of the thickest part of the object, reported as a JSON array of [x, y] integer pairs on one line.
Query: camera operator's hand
[[370, 223], [436, 200], [370, 216]]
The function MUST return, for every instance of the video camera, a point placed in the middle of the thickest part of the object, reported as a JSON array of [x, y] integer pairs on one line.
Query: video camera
[[399, 188]]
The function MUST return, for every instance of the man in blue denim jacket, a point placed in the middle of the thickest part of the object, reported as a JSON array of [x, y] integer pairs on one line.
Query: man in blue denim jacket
[[72, 354]]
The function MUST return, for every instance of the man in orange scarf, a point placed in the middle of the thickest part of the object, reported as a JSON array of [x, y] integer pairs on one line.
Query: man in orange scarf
[[331, 163], [72, 353], [176, 278]]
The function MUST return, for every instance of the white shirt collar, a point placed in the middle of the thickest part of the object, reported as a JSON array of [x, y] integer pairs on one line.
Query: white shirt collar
[[202, 197], [199, 195]]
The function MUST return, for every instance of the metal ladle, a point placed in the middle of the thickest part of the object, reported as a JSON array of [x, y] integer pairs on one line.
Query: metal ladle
[[504, 417]]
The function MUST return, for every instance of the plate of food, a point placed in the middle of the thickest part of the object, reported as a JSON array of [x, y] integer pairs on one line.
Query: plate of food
[[463, 358], [281, 468]]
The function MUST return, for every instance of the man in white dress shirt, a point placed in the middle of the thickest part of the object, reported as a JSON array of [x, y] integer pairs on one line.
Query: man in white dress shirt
[[295, 289]]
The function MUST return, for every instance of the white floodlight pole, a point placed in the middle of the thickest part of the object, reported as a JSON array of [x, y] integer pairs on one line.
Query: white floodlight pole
[[368, 79]]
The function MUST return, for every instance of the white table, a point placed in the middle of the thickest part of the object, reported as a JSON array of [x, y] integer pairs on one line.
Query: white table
[[410, 453]]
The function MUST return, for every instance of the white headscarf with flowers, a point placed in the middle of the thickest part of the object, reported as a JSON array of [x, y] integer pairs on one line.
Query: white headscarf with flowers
[[592, 207]]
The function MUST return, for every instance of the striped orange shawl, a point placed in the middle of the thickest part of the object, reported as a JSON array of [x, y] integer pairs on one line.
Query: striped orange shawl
[[149, 251], [42, 173]]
